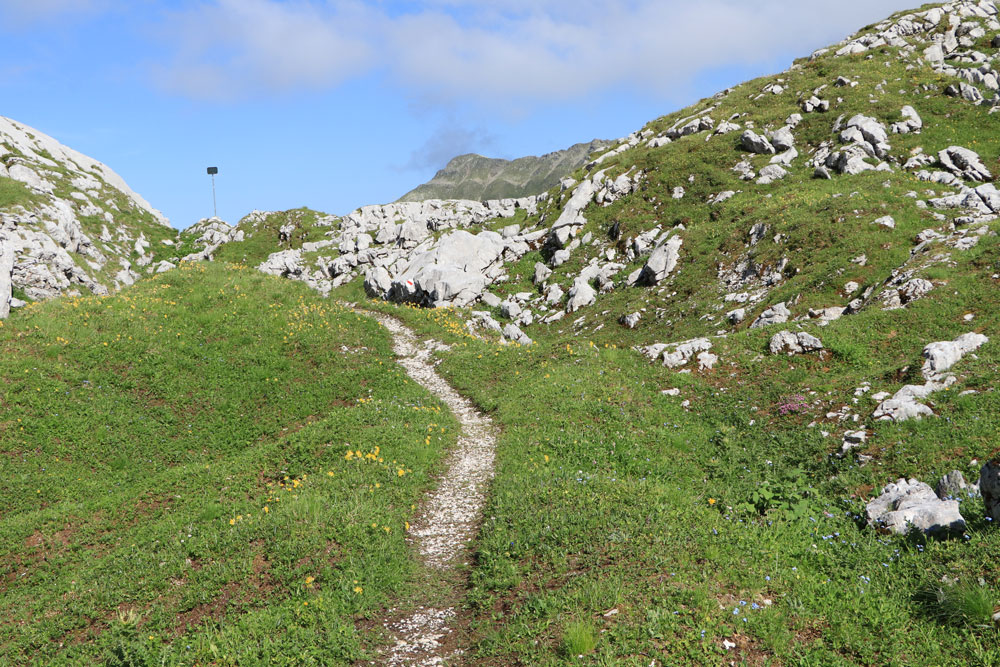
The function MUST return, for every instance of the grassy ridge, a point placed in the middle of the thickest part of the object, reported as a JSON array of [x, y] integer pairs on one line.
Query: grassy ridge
[[177, 481]]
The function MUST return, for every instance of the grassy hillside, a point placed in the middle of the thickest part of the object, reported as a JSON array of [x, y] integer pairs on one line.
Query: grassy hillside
[[639, 515], [177, 492], [715, 525], [630, 527]]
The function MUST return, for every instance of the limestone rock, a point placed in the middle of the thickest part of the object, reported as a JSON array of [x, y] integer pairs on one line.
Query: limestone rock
[[662, 261], [794, 343], [514, 333], [6, 272], [911, 124], [939, 359], [964, 163], [378, 282], [542, 273], [776, 314], [953, 486], [989, 487], [679, 354], [630, 321], [909, 504], [771, 173], [580, 295], [752, 142], [941, 356], [453, 271]]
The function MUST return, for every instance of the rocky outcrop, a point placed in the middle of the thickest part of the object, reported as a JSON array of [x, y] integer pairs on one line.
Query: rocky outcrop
[[938, 359], [676, 355], [77, 225], [964, 163], [6, 273], [662, 261], [989, 487], [454, 271], [911, 505], [786, 342], [776, 314]]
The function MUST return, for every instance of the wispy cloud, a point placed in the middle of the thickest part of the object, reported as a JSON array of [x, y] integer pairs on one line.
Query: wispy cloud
[[508, 51], [450, 139], [232, 48]]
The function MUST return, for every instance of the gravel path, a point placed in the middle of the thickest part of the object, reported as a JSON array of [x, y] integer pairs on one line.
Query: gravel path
[[451, 513]]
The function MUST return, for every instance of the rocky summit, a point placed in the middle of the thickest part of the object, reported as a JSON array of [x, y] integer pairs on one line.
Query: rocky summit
[[722, 392], [473, 176]]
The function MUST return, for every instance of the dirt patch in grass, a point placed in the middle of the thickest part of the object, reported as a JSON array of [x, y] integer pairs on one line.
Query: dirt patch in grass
[[213, 610]]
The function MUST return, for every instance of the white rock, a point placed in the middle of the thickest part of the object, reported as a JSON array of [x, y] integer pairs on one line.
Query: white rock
[[908, 504]]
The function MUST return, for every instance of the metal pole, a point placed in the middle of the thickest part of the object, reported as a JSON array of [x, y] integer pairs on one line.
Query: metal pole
[[215, 207]]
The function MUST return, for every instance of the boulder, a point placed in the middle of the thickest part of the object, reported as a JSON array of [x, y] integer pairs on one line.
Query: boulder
[[542, 273], [794, 343], [964, 163], [911, 124], [6, 273], [163, 267], [771, 173], [868, 133], [784, 159], [514, 333], [901, 410], [553, 294], [630, 321], [378, 282], [679, 354], [989, 487], [491, 300], [580, 295], [571, 219], [560, 257], [776, 314], [782, 139], [752, 142], [662, 261], [953, 486], [454, 271], [941, 356], [486, 320], [909, 504], [707, 361], [510, 309]]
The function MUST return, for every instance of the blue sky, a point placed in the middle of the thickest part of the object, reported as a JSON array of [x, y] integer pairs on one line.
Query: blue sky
[[334, 104]]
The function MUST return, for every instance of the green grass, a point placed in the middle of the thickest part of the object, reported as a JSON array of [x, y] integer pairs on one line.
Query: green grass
[[623, 524], [578, 639], [14, 193], [262, 239], [176, 481]]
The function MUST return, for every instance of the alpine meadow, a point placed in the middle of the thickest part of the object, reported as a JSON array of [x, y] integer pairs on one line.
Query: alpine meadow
[[723, 394]]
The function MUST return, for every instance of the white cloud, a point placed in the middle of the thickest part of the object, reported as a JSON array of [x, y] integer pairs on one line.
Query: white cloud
[[513, 52], [235, 47]]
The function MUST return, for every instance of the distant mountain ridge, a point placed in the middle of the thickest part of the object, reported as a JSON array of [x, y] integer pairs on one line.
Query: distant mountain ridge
[[475, 177]]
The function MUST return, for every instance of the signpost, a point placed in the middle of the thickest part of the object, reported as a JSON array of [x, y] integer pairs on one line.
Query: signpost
[[212, 171]]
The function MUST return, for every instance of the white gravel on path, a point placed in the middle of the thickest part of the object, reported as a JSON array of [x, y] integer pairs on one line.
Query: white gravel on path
[[451, 513]]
